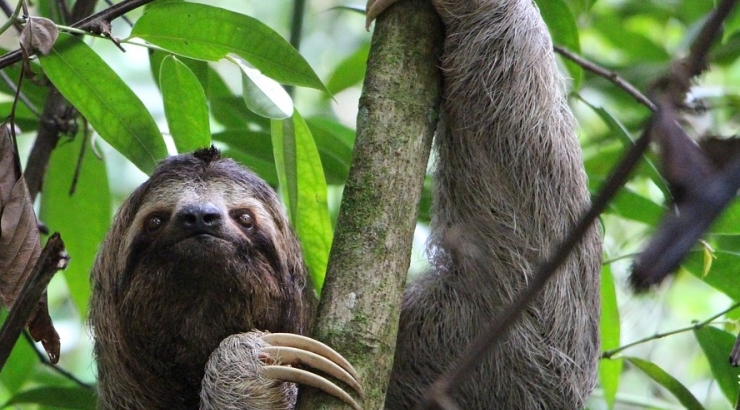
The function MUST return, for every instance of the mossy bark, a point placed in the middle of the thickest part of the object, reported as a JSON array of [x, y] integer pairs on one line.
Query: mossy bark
[[399, 108]]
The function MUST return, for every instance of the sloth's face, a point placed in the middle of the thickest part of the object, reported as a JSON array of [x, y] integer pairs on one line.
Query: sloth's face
[[192, 228], [207, 245]]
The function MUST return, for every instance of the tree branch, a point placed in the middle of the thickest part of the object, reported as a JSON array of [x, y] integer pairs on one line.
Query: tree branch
[[360, 303], [697, 325], [52, 258], [86, 23], [609, 75]]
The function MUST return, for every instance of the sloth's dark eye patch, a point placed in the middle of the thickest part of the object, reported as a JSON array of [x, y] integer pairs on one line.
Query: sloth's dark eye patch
[[244, 218], [154, 222]]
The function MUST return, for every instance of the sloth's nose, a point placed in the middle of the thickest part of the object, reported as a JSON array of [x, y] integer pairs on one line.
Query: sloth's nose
[[200, 218]]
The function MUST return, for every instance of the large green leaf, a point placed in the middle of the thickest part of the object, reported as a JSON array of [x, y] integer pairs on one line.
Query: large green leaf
[[609, 369], [630, 205], [263, 95], [669, 382], [303, 187], [253, 149], [210, 33], [717, 345], [334, 142], [82, 218], [185, 105], [57, 397], [105, 100], [350, 71]]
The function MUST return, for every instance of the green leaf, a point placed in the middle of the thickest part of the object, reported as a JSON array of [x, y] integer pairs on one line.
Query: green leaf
[[729, 222], [564, 32], [35, 93], [105, 100], [349, 71], [58, 397], [334, 142], [265, 169], [82, 218], [717, 345], [20, 364], [253, 149], [646, 169], [303, 188], [732, 25], [210, 33], [185, 105], [723, 273], [609, 369], [633, 44], [226, 108], [630, 205], [263, 95], [664, 379]]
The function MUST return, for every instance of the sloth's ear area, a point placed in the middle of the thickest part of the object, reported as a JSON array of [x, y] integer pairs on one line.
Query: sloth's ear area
[[247, 365]]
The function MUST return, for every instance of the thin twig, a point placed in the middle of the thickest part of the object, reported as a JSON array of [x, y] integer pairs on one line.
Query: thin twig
[[6, 8], [124, 18], [12, 19], [115, 11], [52, 258], [56, 118], [28, 103], [45, 361], [697, 325], [296, 30], [607, 74], [80, 157]]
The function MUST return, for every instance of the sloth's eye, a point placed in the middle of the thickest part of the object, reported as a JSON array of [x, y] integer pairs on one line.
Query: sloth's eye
[[153, 223], [245, 219]]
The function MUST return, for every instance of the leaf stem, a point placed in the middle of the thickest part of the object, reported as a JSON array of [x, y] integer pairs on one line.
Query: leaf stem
[[696, 325], [12, 19]]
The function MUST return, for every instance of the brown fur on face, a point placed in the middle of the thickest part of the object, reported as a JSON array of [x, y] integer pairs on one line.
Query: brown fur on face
[[179, 272]]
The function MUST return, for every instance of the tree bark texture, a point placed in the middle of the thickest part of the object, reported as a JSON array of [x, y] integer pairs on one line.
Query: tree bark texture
[[399, 108]]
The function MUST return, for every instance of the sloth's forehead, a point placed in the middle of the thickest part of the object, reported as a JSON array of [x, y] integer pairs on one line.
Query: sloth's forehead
[[220, 191]]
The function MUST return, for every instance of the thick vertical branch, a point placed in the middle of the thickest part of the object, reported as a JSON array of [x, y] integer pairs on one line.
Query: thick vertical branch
[[360, 303]]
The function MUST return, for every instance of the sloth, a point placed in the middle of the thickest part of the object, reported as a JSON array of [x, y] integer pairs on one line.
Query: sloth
[[203, 251], [200, 252]]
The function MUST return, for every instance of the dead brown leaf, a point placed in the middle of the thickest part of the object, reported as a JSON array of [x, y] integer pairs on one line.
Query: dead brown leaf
[[38, 35], [19, 243]]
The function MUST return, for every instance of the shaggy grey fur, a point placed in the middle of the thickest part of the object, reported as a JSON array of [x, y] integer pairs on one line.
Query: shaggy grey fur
[[509, 184]]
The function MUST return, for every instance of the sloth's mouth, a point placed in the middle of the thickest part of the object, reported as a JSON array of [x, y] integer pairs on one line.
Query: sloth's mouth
[[201, 240], [204, 236]]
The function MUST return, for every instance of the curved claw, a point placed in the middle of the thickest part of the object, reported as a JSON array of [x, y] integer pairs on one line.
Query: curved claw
[[375, 8], [291, 355], [311, 345], [291, 374], [289, 348]]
